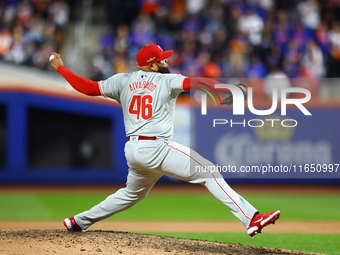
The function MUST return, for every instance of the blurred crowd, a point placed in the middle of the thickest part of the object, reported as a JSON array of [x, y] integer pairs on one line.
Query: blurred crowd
[[30, 30], [212, 38], [229, 38]]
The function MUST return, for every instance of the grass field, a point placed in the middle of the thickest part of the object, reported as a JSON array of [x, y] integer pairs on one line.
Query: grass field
[[37, 206], [53, 206], [318, 243]]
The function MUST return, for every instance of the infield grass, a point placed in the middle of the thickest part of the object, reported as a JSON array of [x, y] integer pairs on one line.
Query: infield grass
[[317, 243], [37, 206]]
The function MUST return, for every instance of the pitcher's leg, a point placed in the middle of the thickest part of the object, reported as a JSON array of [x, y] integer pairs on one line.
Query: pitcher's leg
[[137, 187], [240, 207], [192, 167]]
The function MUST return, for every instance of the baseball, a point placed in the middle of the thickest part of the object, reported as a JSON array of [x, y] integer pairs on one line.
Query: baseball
[[52, 57]]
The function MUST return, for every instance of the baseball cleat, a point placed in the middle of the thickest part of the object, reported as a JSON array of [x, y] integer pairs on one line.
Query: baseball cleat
[[261, 220], [71, 225]]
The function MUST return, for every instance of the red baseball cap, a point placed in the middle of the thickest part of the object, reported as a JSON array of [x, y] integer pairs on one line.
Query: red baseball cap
[[151, 53]]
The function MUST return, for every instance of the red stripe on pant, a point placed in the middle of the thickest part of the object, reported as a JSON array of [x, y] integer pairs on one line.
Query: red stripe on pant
[[225, 192]]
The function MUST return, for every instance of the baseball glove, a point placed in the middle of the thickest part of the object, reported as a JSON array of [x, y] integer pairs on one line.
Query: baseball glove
[[229, 99]]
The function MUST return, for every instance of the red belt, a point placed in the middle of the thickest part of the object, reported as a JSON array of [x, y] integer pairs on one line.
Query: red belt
[[143, 137]]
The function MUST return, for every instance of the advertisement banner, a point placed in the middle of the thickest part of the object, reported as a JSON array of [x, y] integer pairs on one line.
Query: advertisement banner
[[293, 141]]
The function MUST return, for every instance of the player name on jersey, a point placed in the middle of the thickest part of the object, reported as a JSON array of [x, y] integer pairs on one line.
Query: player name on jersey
[[141, 85]]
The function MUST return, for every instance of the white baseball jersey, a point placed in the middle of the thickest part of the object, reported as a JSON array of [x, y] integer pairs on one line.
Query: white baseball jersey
[[148, 101]]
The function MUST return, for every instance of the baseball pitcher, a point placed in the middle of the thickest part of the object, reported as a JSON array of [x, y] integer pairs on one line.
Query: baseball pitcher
[[148, 98]]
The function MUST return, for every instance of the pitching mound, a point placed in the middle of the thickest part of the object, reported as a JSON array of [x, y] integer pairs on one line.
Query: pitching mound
[[38, 242]]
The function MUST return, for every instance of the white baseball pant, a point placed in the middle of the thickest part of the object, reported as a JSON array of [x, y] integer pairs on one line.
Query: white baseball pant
[[148, 161]]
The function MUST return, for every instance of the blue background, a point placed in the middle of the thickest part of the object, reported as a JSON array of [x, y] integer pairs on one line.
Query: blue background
[[222, 144], [315, 140]]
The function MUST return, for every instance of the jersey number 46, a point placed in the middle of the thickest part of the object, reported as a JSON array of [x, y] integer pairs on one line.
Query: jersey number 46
[[141, 106]]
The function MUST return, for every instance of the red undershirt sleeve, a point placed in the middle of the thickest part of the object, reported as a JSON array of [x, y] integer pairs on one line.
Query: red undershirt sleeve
[[81, 84], [186, 84]]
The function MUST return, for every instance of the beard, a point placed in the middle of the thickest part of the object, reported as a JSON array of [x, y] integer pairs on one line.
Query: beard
[[163, 69]]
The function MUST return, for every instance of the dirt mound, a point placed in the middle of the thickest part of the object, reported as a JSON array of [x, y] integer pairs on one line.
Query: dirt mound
[[38, 242]]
